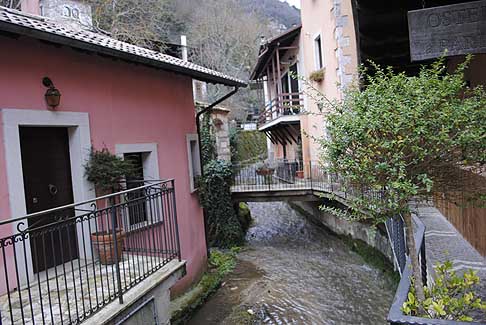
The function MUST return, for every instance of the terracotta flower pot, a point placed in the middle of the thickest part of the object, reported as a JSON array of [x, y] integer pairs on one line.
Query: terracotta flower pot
[[265, 171], [299, 174], [104, 244]]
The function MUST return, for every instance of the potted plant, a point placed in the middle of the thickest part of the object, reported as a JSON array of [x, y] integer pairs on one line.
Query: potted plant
[[299, 174], [317, 75], [105, 170], [264, 169]]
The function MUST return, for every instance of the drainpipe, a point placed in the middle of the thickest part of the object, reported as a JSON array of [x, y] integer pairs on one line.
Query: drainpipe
[[198, 126]]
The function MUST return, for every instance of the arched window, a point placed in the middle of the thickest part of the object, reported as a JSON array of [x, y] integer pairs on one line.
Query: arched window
[[66, 11], [75, 13]]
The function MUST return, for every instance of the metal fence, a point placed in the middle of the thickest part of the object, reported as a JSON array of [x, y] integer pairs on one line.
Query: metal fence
[[296, 175], [62, 265]]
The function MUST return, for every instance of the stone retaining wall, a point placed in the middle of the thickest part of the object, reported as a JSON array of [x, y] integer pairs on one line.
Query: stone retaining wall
[[374, 237]]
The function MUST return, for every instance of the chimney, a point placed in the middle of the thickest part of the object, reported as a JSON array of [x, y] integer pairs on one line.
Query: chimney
[[184, 47], [30, 7]]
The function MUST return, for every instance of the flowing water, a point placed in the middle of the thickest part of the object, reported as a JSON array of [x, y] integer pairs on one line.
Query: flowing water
[[308, 276]]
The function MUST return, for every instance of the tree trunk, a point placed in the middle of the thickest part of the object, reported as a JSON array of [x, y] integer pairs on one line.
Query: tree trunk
[[412, 251]]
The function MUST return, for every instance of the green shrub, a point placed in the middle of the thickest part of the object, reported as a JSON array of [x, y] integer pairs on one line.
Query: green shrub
[[451, 297], [224, 229], [244, 216], [249, 145], [105, 170]]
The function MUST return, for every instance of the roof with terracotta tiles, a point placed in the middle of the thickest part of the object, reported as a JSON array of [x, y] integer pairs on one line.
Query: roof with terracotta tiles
[[43, 28]]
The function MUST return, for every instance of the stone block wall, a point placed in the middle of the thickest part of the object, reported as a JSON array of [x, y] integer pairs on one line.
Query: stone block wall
[[375, 238]]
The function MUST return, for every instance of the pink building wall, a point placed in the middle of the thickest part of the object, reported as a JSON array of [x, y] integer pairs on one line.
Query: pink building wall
[[127, 103]]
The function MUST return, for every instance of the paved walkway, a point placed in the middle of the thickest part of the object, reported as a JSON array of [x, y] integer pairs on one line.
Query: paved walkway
[[444, 242]]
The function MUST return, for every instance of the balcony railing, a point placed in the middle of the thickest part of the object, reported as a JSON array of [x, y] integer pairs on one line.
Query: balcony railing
[[62, 265], [296, 175], [285, 104]]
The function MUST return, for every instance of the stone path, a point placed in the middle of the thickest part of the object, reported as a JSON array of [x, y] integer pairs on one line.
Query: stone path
[[444, 242], [74, 294]]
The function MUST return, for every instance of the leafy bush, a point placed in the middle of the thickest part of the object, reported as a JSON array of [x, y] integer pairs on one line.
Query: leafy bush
[[404, 136], [317, 75], [208, 142], [105, 170], [451, 297], [224, 229], [248, 146]]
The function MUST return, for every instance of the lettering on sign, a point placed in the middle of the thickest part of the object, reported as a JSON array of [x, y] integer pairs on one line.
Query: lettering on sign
[[447, 30]]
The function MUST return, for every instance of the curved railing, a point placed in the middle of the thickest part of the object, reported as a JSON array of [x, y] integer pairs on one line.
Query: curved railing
[[62, 265]]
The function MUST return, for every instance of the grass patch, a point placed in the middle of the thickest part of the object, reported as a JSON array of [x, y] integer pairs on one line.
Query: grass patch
[[220, 264]]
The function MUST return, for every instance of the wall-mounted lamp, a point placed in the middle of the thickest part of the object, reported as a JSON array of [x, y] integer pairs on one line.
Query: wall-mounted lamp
[[52, 95]]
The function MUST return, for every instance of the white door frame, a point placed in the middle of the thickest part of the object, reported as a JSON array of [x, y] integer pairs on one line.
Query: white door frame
[[79, 150]]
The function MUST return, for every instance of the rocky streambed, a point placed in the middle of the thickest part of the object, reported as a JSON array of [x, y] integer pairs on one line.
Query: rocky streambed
[[294, 272]]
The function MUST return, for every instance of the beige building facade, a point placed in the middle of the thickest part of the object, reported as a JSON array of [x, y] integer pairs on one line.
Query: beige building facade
[[325, 51]]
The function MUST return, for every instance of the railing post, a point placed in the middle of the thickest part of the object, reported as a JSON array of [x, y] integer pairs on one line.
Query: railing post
[[423, 261], [115, 244], [310, 172], [178, 245]]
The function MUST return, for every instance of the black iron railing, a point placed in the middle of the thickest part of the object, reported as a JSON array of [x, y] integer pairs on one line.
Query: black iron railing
[[296, 175], [62, 265]]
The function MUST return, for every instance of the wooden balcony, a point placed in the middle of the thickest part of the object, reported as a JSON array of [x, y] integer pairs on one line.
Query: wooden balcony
[[284, 105]]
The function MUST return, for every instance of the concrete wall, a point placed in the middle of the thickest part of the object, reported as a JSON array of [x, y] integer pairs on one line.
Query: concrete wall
[[126, 104], [356, 230], [333, 21]]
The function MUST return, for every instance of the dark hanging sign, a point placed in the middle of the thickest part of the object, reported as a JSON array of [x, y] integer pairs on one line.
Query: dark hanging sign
[[457, 29]]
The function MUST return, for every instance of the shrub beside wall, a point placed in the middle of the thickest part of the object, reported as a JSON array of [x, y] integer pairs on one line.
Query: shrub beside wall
[[224, 228], [249, 145]]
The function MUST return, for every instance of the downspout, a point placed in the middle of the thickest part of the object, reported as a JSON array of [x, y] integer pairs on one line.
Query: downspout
[[198, 126]]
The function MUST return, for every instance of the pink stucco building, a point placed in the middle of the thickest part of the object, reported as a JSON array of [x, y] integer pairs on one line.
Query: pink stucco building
[[130, 100]]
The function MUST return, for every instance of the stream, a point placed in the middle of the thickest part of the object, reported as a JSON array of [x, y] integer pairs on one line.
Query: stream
[[294, 272]]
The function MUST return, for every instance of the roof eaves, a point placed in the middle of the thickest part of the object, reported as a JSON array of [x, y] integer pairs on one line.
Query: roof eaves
[[79, 44]]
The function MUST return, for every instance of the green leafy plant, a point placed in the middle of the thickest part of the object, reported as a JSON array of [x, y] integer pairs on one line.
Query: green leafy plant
[[105, 170], [224, 228], [406, 136], [208, 142], [317, 75], [450, 297]]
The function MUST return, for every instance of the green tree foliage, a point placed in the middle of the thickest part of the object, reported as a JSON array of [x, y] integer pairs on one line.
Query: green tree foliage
[[407, 135], [224, 228], [247, 146], [450, 297]]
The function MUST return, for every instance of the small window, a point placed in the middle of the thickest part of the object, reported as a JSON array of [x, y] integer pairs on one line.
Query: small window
[[66, 11], [75, 13], [318, 52], [137, 209], [194, 162]]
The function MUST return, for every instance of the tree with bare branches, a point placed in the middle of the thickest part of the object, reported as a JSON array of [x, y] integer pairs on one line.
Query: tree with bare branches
[[146, 23]]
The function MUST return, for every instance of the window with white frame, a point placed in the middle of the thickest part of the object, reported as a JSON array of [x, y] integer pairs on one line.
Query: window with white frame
[[144, 157], [318, 52], [193, 160]]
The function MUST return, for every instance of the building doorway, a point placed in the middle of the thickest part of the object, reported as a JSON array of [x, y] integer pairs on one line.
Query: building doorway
[[47, 180]]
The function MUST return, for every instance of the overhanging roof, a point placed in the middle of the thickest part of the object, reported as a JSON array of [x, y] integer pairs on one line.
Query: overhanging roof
[[267, 49], [42, 28]]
